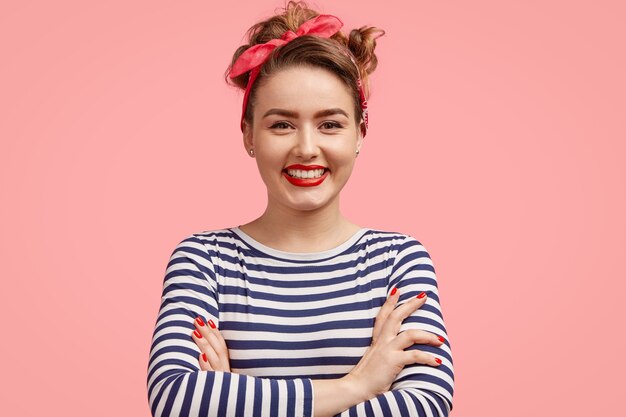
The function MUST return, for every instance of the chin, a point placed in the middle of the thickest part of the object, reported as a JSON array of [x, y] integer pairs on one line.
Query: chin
[[309, 204]]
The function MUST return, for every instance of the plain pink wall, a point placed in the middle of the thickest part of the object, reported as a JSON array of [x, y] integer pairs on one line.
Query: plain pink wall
[[497, 139]]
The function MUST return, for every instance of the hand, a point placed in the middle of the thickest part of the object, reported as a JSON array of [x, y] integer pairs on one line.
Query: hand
[[213, 351], [386, 357]]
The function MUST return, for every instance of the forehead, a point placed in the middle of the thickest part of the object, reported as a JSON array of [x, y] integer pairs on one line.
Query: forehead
[[305, 89]]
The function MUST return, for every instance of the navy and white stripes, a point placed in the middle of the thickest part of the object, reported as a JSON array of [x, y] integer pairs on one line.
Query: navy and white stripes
[[288, 318]]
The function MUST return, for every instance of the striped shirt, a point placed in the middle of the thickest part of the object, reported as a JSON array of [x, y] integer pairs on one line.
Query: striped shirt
[[288, 318]]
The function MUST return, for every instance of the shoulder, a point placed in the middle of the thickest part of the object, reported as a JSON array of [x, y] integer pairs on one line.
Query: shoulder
[[208, 242], [404, 250], [397, 241]]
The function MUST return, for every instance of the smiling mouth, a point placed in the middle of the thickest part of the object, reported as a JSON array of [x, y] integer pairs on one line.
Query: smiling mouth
[[309, 177], [306, 174]]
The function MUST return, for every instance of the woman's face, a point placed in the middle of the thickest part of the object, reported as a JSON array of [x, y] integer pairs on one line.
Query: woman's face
[[304, 137]]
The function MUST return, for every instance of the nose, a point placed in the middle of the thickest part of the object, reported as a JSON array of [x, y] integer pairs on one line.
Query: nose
[[306, 145]]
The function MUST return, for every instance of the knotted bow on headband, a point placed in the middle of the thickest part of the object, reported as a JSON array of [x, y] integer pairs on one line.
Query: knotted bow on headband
[[323, 25]]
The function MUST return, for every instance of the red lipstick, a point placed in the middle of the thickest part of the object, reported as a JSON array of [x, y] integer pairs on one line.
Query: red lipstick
[[305, 167], [305, 182]]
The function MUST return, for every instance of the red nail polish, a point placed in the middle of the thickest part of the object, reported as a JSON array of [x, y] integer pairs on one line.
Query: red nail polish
[[438, 360], [394, 291], [211, 324], [204, 357], [197, 333], [200, 322], [421, 295], [441, 339]]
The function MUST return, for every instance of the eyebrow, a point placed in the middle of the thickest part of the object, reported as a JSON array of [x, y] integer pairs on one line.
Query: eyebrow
[[321, 113]]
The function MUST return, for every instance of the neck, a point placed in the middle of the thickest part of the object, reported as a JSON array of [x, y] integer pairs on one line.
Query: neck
[[284, 228]]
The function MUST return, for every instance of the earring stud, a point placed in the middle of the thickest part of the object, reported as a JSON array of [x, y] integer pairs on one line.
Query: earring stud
[[251, 152]]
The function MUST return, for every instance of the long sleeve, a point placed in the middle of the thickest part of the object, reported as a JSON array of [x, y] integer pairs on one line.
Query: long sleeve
[[419, 390], [176, 385]]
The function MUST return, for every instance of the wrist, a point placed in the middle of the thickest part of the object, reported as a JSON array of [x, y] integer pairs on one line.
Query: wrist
[[333, 396], [354, 388]]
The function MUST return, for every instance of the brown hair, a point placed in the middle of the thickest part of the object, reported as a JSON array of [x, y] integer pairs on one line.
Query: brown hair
[[310, 51]]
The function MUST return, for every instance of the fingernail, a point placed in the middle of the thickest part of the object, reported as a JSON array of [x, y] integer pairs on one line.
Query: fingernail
[[204, 357], [200, 322], [197, 333], [394, 291], [441, 339], [421, 295], [211, 324], [438, 361]]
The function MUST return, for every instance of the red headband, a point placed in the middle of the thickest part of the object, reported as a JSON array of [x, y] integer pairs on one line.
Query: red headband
[[323, 25]]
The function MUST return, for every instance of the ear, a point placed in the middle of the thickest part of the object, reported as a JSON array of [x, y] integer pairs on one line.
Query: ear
[[359, 139], [247, 136]]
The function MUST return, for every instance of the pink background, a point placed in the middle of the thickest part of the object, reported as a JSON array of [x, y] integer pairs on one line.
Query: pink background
[[497, 139]]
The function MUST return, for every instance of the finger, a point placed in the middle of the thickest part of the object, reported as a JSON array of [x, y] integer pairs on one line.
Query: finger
[[384, 312], [207, 349], [395, 319], [415, 336], [214, 337], [417, 356], [221, 353], [218, 335], [204, 362], [221, 349]]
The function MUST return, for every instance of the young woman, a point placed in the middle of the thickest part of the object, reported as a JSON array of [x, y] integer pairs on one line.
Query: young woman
[[301, 312]]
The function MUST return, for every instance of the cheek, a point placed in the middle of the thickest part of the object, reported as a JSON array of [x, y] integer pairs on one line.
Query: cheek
[[265, 166], [344, 168], [272, 150], [269, 164], [349, 168], [345, 158]]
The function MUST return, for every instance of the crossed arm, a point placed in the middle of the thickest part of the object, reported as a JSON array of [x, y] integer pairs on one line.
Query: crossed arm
[[398, 375], [371, 377]]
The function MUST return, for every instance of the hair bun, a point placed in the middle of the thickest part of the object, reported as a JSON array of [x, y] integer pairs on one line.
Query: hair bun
[[362, 43]]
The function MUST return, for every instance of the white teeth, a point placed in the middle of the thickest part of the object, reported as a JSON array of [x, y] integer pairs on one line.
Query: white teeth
[[299, 173]]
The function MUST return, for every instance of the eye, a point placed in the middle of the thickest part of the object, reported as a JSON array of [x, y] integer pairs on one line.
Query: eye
[[278, 125], [332, 125]]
